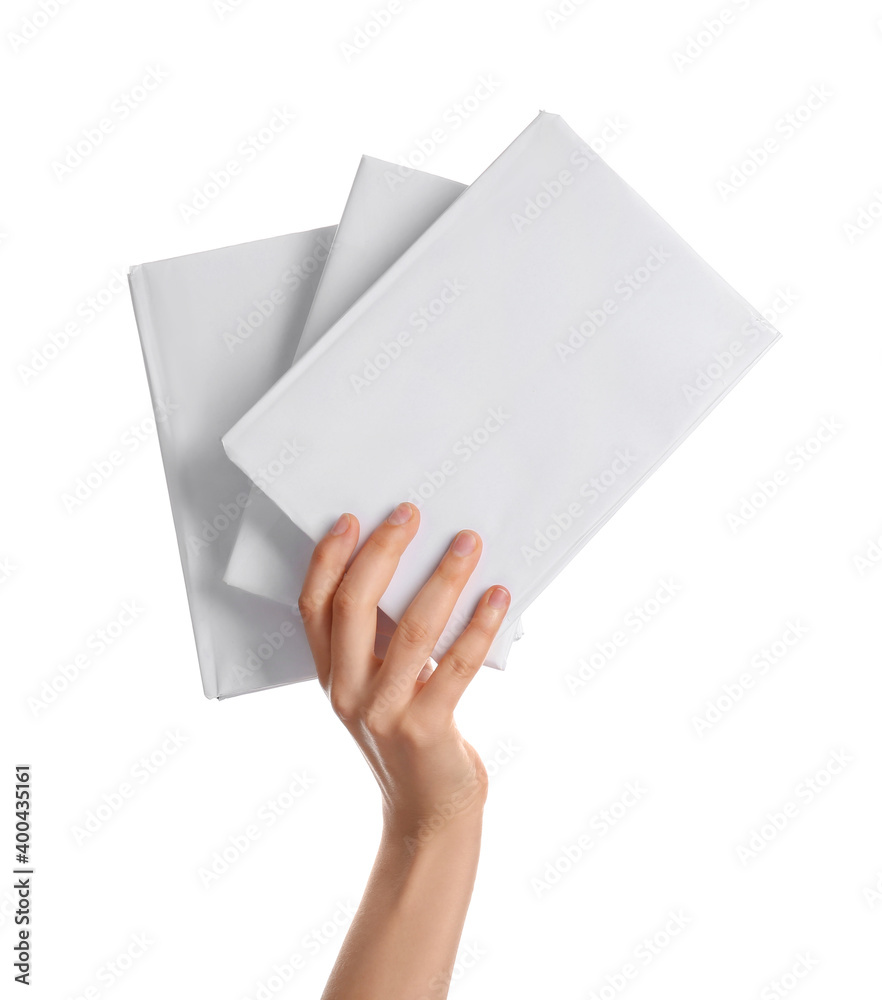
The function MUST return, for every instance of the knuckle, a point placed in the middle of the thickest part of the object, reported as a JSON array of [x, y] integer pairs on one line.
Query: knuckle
[[414, 633], [345, 602], [411, 733], [377, 721], [321, 554], [328, 561], [481, 627], [459, 665], [452, 569], [380, 543], [308, 606], [344, 705]]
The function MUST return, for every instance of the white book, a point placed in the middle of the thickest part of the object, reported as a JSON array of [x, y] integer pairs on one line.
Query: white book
[[384, 213], [531, 359], [217, 329]]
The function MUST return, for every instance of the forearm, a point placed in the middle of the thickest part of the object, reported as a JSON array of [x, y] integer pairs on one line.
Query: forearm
[[403, 941], [404, 937]]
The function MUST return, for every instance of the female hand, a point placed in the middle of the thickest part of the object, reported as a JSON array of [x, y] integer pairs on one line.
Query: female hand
[[399, 712]]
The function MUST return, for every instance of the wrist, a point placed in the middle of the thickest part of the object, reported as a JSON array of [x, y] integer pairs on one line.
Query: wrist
[[450, 826]]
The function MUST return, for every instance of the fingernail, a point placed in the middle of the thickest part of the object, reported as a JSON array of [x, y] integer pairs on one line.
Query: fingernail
[[464, 543], [499, 598], [341, 525], [402, 513]]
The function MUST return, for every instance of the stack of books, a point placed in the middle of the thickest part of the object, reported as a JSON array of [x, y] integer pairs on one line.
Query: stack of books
[[515, 357]]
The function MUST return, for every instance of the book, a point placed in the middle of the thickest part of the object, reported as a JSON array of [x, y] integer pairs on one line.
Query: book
[[384, 213], [520, 370], [217, 329]]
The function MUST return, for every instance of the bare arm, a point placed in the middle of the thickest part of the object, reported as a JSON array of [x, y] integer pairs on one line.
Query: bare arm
[[403, 940], [404, 937]]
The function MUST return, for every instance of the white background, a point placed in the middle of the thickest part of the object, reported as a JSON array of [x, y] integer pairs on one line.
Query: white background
[[783, 236]]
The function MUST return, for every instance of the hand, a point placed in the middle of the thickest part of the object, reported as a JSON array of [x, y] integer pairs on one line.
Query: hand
[[399, 711]]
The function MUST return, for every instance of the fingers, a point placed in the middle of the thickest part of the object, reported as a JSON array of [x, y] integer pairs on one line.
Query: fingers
[[426, 617], [354, 610], [442, 691], [326, 569], [342, 622]]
